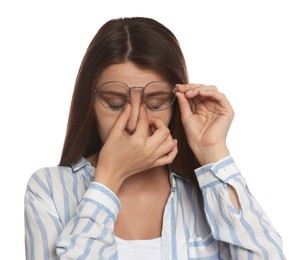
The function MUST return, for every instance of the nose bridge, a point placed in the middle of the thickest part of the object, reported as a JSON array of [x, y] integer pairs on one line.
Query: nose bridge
[[135, 96], [136, 87], [136, 91]]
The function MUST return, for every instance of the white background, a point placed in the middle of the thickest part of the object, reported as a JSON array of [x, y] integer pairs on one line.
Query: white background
[[249, 49]]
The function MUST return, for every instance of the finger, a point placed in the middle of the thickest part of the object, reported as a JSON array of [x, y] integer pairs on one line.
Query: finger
[[161, 131], [211, 94], [169, 157], [142, 123], [166, 146], [201, 91], [183, 88], [123, 118], [157, 123], [185, 106]]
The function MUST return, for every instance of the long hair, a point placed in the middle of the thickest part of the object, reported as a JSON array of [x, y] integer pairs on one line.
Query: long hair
[[148, 44]]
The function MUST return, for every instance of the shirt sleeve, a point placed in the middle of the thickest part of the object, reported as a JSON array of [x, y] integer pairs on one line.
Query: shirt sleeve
[[248, 232], [88, 235]]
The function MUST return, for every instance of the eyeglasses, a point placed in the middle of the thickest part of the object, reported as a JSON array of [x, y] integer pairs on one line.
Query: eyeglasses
[[157, 95]]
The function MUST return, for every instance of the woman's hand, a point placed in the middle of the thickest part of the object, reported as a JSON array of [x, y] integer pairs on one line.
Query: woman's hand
[[206, 117], [125, 154]]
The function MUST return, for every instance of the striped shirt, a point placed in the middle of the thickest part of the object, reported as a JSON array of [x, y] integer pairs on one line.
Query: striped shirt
[[68, 216]]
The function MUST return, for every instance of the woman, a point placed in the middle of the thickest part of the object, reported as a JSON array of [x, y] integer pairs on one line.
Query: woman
[[145, 171]]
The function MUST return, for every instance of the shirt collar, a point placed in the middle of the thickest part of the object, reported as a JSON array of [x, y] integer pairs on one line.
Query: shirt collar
[[173, 177], [79, 164], [83, 162]]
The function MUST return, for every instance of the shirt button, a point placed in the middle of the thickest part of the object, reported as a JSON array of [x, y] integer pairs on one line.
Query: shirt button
[[222, 171]]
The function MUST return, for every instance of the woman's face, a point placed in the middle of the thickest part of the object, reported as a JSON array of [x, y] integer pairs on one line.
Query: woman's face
[[133, 76]]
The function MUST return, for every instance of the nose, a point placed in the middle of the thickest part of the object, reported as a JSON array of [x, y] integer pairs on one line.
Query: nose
[[135, 102]]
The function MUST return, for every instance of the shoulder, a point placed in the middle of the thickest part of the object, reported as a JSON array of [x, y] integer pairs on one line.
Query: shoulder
[[57, 189], [47, 173], [42, 180], [59, 177]]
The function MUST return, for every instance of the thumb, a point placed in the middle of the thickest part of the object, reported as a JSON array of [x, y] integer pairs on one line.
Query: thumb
[[185, 106]]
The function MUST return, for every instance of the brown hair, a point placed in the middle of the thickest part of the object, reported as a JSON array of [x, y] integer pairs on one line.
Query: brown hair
[[146, 43]]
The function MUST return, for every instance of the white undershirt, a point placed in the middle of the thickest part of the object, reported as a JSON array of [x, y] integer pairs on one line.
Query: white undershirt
[[139, 249]]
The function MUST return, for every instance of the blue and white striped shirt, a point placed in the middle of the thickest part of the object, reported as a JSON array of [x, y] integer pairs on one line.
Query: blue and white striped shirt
[[68, 216]]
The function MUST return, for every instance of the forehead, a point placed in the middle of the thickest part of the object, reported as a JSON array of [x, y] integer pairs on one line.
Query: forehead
[[130, 74]]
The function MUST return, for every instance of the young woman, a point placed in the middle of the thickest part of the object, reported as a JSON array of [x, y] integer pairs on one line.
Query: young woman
[[145, 172]]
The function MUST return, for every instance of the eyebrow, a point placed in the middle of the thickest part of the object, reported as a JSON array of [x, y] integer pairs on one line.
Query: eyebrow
[[154, 93], [111, 92]]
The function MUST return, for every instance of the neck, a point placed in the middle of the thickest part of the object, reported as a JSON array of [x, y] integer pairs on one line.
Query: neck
[[154, 178]]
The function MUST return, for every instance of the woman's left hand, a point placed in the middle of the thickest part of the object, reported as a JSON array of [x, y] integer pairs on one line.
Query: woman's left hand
[[206, 115]]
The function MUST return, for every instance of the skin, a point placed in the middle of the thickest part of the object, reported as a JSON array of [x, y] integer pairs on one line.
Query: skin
[[138, 146], [207, 124]]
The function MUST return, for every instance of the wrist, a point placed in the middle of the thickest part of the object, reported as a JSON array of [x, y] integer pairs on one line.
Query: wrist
[[211, 154], [109, 180]]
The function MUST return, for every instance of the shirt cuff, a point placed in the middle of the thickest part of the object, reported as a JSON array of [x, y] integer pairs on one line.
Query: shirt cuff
[[217, 173]]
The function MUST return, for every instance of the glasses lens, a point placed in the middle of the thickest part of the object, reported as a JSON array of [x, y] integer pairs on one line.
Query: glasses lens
[[159, 95], [113, 95]]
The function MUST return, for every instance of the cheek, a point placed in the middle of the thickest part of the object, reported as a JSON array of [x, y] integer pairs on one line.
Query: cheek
[[105, 122]]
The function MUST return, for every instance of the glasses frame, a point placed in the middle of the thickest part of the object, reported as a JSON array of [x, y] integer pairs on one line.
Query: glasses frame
[[97, 92]]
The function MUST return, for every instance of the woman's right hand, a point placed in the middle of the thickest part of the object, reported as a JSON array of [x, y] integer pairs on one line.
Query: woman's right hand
[[125, 154]]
